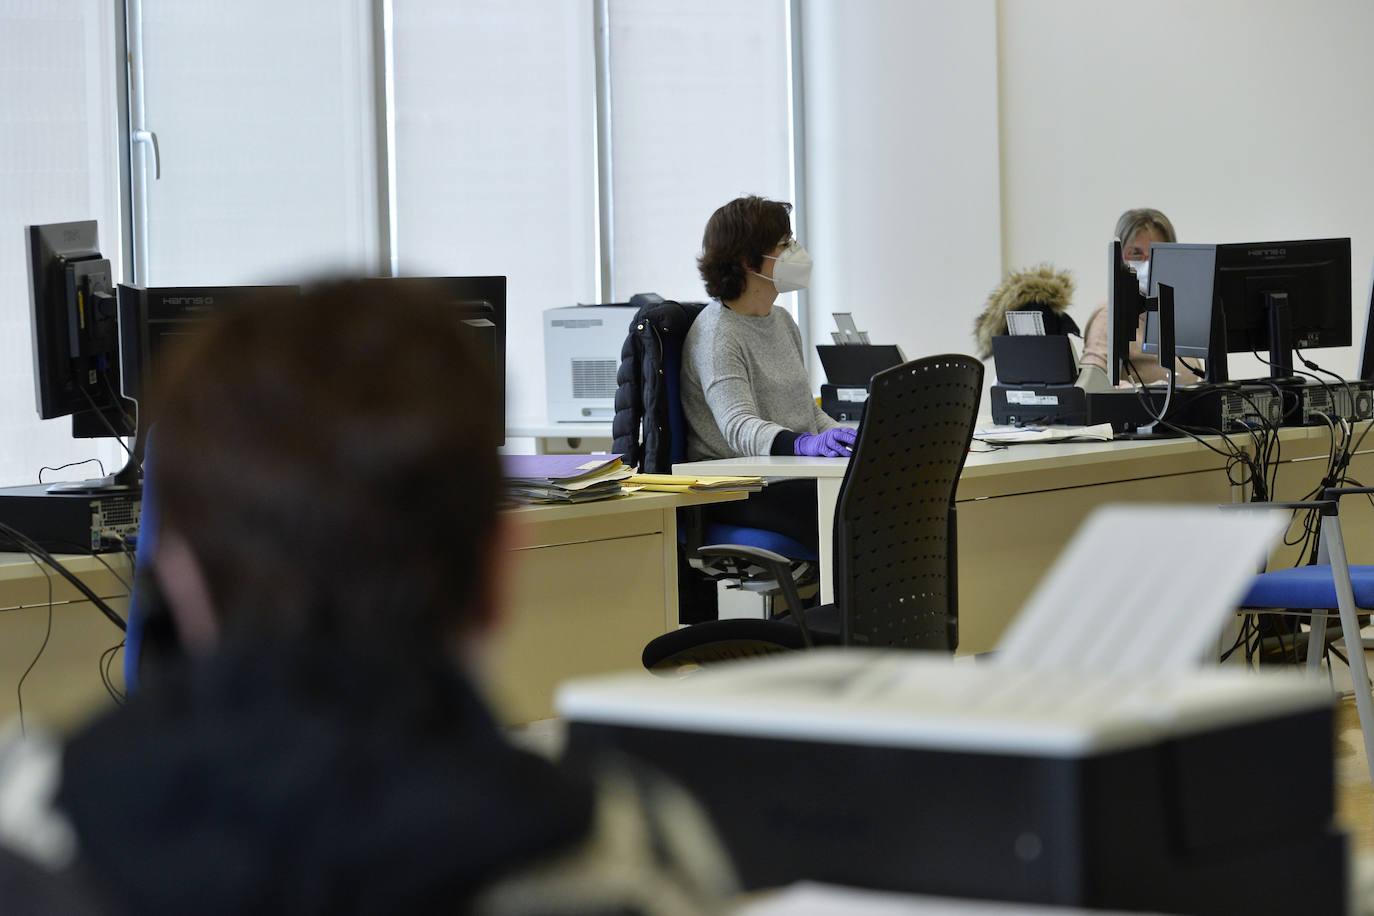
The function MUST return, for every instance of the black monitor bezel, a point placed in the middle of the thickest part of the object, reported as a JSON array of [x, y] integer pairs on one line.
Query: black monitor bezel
[[1125, 305]]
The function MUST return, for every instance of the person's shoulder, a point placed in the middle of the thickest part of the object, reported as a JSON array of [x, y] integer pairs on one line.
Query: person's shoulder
[[707, 320]]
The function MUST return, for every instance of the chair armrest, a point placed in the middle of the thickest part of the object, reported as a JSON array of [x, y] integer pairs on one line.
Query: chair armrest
[[778, 565], [1338, 492]]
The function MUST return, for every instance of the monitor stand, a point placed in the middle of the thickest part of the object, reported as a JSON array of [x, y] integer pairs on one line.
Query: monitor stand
[[1164, 304]]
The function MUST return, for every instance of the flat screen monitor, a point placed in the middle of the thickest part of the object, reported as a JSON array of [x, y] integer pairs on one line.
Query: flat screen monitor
[[76, 341], [1281, 296], [153, 318], [1257, 296], [75, 330], [1190, 270], [1124, 305]]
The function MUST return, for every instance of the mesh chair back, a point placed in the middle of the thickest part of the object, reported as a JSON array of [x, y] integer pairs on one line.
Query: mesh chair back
[[895, 536]]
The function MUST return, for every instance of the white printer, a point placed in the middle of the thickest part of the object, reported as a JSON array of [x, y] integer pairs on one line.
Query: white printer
[[581, 355]]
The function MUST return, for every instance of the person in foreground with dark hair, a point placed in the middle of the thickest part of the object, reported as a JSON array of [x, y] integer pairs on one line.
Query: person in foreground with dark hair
[[332, 557], [745, 387]]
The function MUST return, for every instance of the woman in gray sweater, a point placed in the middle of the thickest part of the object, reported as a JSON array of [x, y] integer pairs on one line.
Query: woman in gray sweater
[[745, 388]]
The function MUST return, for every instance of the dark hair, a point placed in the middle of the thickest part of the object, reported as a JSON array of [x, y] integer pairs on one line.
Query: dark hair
[[331, 460], [739, 234]]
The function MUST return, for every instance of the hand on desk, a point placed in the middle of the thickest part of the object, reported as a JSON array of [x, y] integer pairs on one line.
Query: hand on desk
[[833, 443]]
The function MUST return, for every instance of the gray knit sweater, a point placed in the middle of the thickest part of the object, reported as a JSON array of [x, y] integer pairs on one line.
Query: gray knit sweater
[[744, 381]]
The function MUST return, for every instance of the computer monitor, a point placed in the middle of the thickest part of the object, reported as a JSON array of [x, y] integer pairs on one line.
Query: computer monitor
[[1190, 270], [1124, 305], [1281, 296], [1272, 296], [153, 318], [76, 334]]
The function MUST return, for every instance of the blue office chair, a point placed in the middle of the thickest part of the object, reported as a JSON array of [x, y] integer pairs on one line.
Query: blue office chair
[[650, 431], [143, 588], [896, 537], [1317, 590], [150, 638]]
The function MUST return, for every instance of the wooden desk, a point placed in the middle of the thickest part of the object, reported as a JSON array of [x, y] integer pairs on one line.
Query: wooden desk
[[64, 687], [1017, 509], [589, 586]]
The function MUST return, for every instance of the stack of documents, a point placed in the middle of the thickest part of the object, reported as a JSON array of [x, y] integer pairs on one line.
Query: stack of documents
[[1006, 435], [686, 483], [563, 478]]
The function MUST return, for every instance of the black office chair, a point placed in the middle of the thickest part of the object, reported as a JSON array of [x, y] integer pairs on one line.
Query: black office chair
[[650, 431], [896, 541]]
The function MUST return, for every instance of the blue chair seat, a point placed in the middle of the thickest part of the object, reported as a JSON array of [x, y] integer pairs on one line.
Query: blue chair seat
[[720, 533], [1308, 587]]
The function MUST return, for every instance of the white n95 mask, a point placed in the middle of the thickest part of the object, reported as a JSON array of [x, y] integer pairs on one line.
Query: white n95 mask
[[791, 269], [1142, 273]]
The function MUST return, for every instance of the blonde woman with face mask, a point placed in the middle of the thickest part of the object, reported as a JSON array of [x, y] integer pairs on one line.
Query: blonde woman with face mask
[[1138, 229]]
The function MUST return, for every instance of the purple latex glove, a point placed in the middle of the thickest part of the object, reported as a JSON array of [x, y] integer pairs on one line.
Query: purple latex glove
[[833, 443]]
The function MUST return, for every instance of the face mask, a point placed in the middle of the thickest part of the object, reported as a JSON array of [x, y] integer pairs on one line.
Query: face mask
[[792, 269], [1142, 273]]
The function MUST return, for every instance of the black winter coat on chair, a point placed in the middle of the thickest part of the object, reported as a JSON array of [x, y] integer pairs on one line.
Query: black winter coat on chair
[[648, 428]]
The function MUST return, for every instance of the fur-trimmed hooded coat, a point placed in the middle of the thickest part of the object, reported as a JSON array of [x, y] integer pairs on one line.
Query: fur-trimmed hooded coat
[[1041, 288]]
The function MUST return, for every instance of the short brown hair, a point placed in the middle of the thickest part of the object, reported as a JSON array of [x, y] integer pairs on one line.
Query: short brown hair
[[331, 459], [738, 234]]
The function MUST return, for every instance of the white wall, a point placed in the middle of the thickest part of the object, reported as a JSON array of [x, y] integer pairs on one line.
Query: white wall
[[1243, 120], [902, 167]]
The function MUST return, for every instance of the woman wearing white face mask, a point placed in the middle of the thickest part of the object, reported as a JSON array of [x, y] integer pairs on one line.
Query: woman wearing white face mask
[[1138, 230], [745, 388]]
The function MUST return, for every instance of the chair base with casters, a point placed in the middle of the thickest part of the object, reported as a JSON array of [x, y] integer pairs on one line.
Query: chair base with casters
[[720, 640], [1333, 585]]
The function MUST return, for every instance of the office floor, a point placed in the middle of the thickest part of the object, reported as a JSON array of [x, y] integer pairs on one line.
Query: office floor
[[1354, 792]]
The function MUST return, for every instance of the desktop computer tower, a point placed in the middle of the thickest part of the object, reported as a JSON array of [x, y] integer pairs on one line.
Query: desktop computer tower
[[70, 522], [1352, 401]]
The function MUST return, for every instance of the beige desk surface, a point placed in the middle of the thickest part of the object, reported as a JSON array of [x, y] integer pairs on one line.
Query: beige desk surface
[[1019, 505], [1019, 468]]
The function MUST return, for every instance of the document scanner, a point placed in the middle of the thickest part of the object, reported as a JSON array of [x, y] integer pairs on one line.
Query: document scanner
[[1208, 793]]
